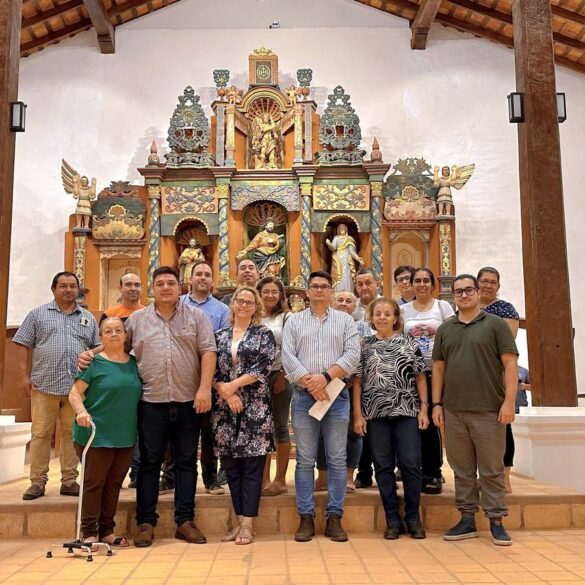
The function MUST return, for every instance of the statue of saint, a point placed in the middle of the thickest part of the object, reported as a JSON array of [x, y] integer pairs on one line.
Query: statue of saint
[[450, 177], [264, 250], [344, 259], [81, 189], [266, 143], [189, 256]]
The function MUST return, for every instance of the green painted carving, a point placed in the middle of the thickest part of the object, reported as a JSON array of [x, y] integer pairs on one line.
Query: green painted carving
[[410, 172], [188, 133], [221, 77], [340, 133]]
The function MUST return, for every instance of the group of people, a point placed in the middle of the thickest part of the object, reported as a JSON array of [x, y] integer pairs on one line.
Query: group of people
[[364, 379]]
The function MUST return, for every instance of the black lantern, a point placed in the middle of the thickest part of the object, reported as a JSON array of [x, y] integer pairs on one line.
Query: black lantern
[[17, 116], [516, 108]]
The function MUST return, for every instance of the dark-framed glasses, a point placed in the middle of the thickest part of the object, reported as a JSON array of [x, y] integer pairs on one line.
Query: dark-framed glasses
[[468, 290], [245, 303], [319, 286]]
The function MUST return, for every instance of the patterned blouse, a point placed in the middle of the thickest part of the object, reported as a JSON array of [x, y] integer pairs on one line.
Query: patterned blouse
[[388, 369], [502, 309], [251, 432]]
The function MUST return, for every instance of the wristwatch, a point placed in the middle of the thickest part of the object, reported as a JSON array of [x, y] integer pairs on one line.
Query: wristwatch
[[327, 376]]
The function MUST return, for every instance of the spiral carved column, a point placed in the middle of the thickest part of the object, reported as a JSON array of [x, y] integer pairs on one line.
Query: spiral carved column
[[223, 191], [376, 227], [306, 193], [153, 236]]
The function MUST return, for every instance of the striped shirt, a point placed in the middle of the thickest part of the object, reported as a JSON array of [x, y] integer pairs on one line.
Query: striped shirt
[[311, 346], [56, 340]]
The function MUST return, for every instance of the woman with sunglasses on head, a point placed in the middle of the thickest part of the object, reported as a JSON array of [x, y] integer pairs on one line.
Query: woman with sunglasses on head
[[422, 318], [243, 425], [488, 280], [273, 296]]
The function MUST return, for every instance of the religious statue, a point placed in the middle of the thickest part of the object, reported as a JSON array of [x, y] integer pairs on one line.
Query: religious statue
[[344, 259], [266, 143], [264, 250], [189, 256], [291, 93], [450, 177], [81, 189]]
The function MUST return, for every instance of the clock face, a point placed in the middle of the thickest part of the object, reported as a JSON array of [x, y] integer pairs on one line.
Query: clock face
[[263, 72]]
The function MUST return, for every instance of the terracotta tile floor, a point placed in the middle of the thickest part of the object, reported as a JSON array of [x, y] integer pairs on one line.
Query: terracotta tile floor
[[555, 557]]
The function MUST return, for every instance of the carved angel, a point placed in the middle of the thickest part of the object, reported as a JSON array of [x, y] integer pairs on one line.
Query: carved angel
[[81, 189], [450, 177], [266, 143]]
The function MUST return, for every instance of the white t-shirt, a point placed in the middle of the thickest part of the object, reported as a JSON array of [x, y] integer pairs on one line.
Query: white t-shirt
[[423, 325], [276, 325]]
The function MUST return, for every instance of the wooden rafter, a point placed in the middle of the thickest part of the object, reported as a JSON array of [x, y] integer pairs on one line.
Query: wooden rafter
[[47, 14], [103, 27], [55, 37], [422, 23], [129, 5]]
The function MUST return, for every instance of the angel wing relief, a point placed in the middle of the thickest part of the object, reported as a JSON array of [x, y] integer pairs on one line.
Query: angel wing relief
[[82, 190]]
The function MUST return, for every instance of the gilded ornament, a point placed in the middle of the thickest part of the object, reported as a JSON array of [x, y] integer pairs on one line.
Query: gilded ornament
[[222, 191], [341, 197], [154, 192], [189, 199], [445, 246]]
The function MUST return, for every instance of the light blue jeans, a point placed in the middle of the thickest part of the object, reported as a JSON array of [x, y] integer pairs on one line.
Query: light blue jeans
[[307, 430]]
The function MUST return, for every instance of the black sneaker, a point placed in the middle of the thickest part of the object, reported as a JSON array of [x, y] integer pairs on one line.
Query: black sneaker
[[165, 486], [361, 484], [221, 476], [432, 486], [465, 528], [499, 534], [214, 489]]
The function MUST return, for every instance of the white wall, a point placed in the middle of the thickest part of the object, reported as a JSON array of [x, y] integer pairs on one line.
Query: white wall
[[447, 104]]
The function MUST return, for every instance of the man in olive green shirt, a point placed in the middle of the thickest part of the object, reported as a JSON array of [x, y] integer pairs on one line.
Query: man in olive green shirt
[[475, 377]]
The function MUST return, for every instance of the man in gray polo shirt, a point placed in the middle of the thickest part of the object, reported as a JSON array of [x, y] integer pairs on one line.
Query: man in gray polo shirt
[[55, 334], [475, 377]]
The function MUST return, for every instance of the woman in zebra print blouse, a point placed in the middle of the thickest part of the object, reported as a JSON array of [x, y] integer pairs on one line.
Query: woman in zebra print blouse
[[390, 393]]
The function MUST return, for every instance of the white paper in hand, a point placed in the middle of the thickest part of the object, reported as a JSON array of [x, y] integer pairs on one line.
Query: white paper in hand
[[320, 408]]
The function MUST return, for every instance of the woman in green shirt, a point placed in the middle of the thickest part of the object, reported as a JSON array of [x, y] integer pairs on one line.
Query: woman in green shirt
[[107, 393]]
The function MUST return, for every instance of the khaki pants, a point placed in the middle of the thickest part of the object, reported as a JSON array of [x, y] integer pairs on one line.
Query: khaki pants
[[475, 442], [46, 409]]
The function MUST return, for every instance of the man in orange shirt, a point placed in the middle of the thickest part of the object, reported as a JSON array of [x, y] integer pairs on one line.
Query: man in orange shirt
[[130, 289]]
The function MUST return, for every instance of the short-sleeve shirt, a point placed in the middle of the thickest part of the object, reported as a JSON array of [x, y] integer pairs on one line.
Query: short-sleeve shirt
[[168, 352], [502, 309], [388, 369], [111, 399], [215, 310], [423, 325], [56, 340], [120, 311], [473, 365]]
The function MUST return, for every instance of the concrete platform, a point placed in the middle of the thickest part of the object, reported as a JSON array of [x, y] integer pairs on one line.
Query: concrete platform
[[533, 505]]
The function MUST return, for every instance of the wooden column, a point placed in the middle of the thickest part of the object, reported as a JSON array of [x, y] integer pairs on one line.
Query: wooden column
[[546, 278], [10, 18], [421, 25]]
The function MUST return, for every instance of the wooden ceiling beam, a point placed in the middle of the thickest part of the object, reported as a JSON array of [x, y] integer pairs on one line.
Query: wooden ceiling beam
[[57, 36], [506, 18], [118, 9], [422, 23], [47, 14], [105, 31], [568, 14]]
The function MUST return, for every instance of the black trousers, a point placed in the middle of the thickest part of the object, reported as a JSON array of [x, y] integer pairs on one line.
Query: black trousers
[[244, 475], [432, 447], [510, 448]]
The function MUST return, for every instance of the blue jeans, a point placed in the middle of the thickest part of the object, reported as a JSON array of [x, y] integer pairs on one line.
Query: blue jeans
[[354, 450], [158, 423], [135, 462], [397, 439], [307, 430]]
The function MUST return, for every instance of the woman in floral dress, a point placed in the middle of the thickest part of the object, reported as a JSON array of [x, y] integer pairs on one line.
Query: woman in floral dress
[[243, 424]]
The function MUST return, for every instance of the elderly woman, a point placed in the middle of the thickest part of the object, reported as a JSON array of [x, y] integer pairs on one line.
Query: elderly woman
[[488, 279], [422, 318], [273, 296], [107, 392], [390, 392], [243, 425], [343, 301]]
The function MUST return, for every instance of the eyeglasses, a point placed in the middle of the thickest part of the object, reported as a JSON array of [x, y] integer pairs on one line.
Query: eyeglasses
[[404, 279], [490, 282], [320, 286], [422, 281], [270, 293], [468, 290], [245, 303]]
